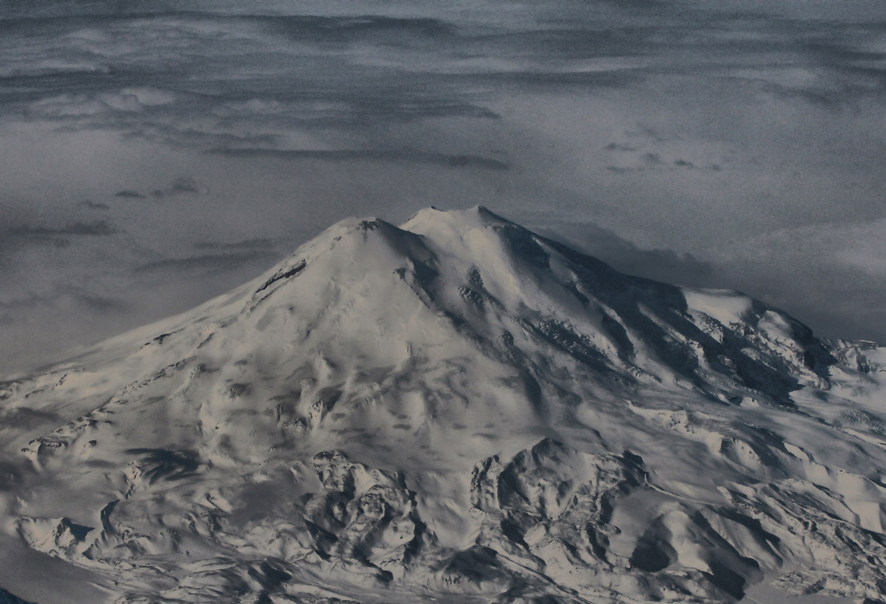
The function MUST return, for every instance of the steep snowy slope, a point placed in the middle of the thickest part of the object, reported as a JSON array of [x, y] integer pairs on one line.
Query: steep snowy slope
[[457, 410]]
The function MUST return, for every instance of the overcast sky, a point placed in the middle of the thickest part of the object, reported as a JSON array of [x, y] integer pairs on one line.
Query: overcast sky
[[154, 154]]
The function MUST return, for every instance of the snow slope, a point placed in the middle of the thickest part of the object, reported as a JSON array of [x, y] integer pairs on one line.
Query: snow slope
[[456, 410]]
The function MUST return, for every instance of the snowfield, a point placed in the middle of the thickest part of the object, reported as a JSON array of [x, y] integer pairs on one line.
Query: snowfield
[[454, 410]]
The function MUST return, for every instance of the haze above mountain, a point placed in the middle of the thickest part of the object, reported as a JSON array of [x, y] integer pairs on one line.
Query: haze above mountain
[[454, 410]]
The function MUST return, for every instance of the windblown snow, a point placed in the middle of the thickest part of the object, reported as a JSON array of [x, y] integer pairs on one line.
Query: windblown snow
[[456, 410]]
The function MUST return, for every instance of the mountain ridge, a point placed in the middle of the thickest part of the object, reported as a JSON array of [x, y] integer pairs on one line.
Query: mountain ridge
[[456, 408]]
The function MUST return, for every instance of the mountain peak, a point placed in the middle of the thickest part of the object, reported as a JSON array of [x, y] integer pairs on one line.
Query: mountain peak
[[455, 408]]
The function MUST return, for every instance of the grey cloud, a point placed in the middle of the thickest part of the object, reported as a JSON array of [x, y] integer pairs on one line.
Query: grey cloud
[[18, 237], [23, 235], [129, 194], [60, 297], [176, 135], [315, 100], [651, 158], [833, 96], [836, 51], [323, 30], [93, 93], [28, 301], [179, 186], [542, 80], [183, 185], [350, 155], [261, 243], [652, 161], [38, 329], [92, 205], [101, 303], [99, 228], [658, 264], [619, 147], [645, 149], [208, 263]]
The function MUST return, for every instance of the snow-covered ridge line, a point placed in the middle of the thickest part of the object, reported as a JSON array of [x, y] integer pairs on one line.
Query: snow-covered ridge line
[[455, 409]]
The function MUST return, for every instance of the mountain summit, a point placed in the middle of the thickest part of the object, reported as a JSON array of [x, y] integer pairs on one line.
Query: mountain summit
[[456, 410]]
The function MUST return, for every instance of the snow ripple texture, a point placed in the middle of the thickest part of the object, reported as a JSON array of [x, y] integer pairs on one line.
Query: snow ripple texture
[[456, 410]]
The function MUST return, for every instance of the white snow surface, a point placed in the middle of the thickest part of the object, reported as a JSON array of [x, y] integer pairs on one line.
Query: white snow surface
[[455, 410]]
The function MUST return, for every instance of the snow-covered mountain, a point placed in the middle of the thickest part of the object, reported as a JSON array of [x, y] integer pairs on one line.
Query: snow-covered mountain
[[456, 410]]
